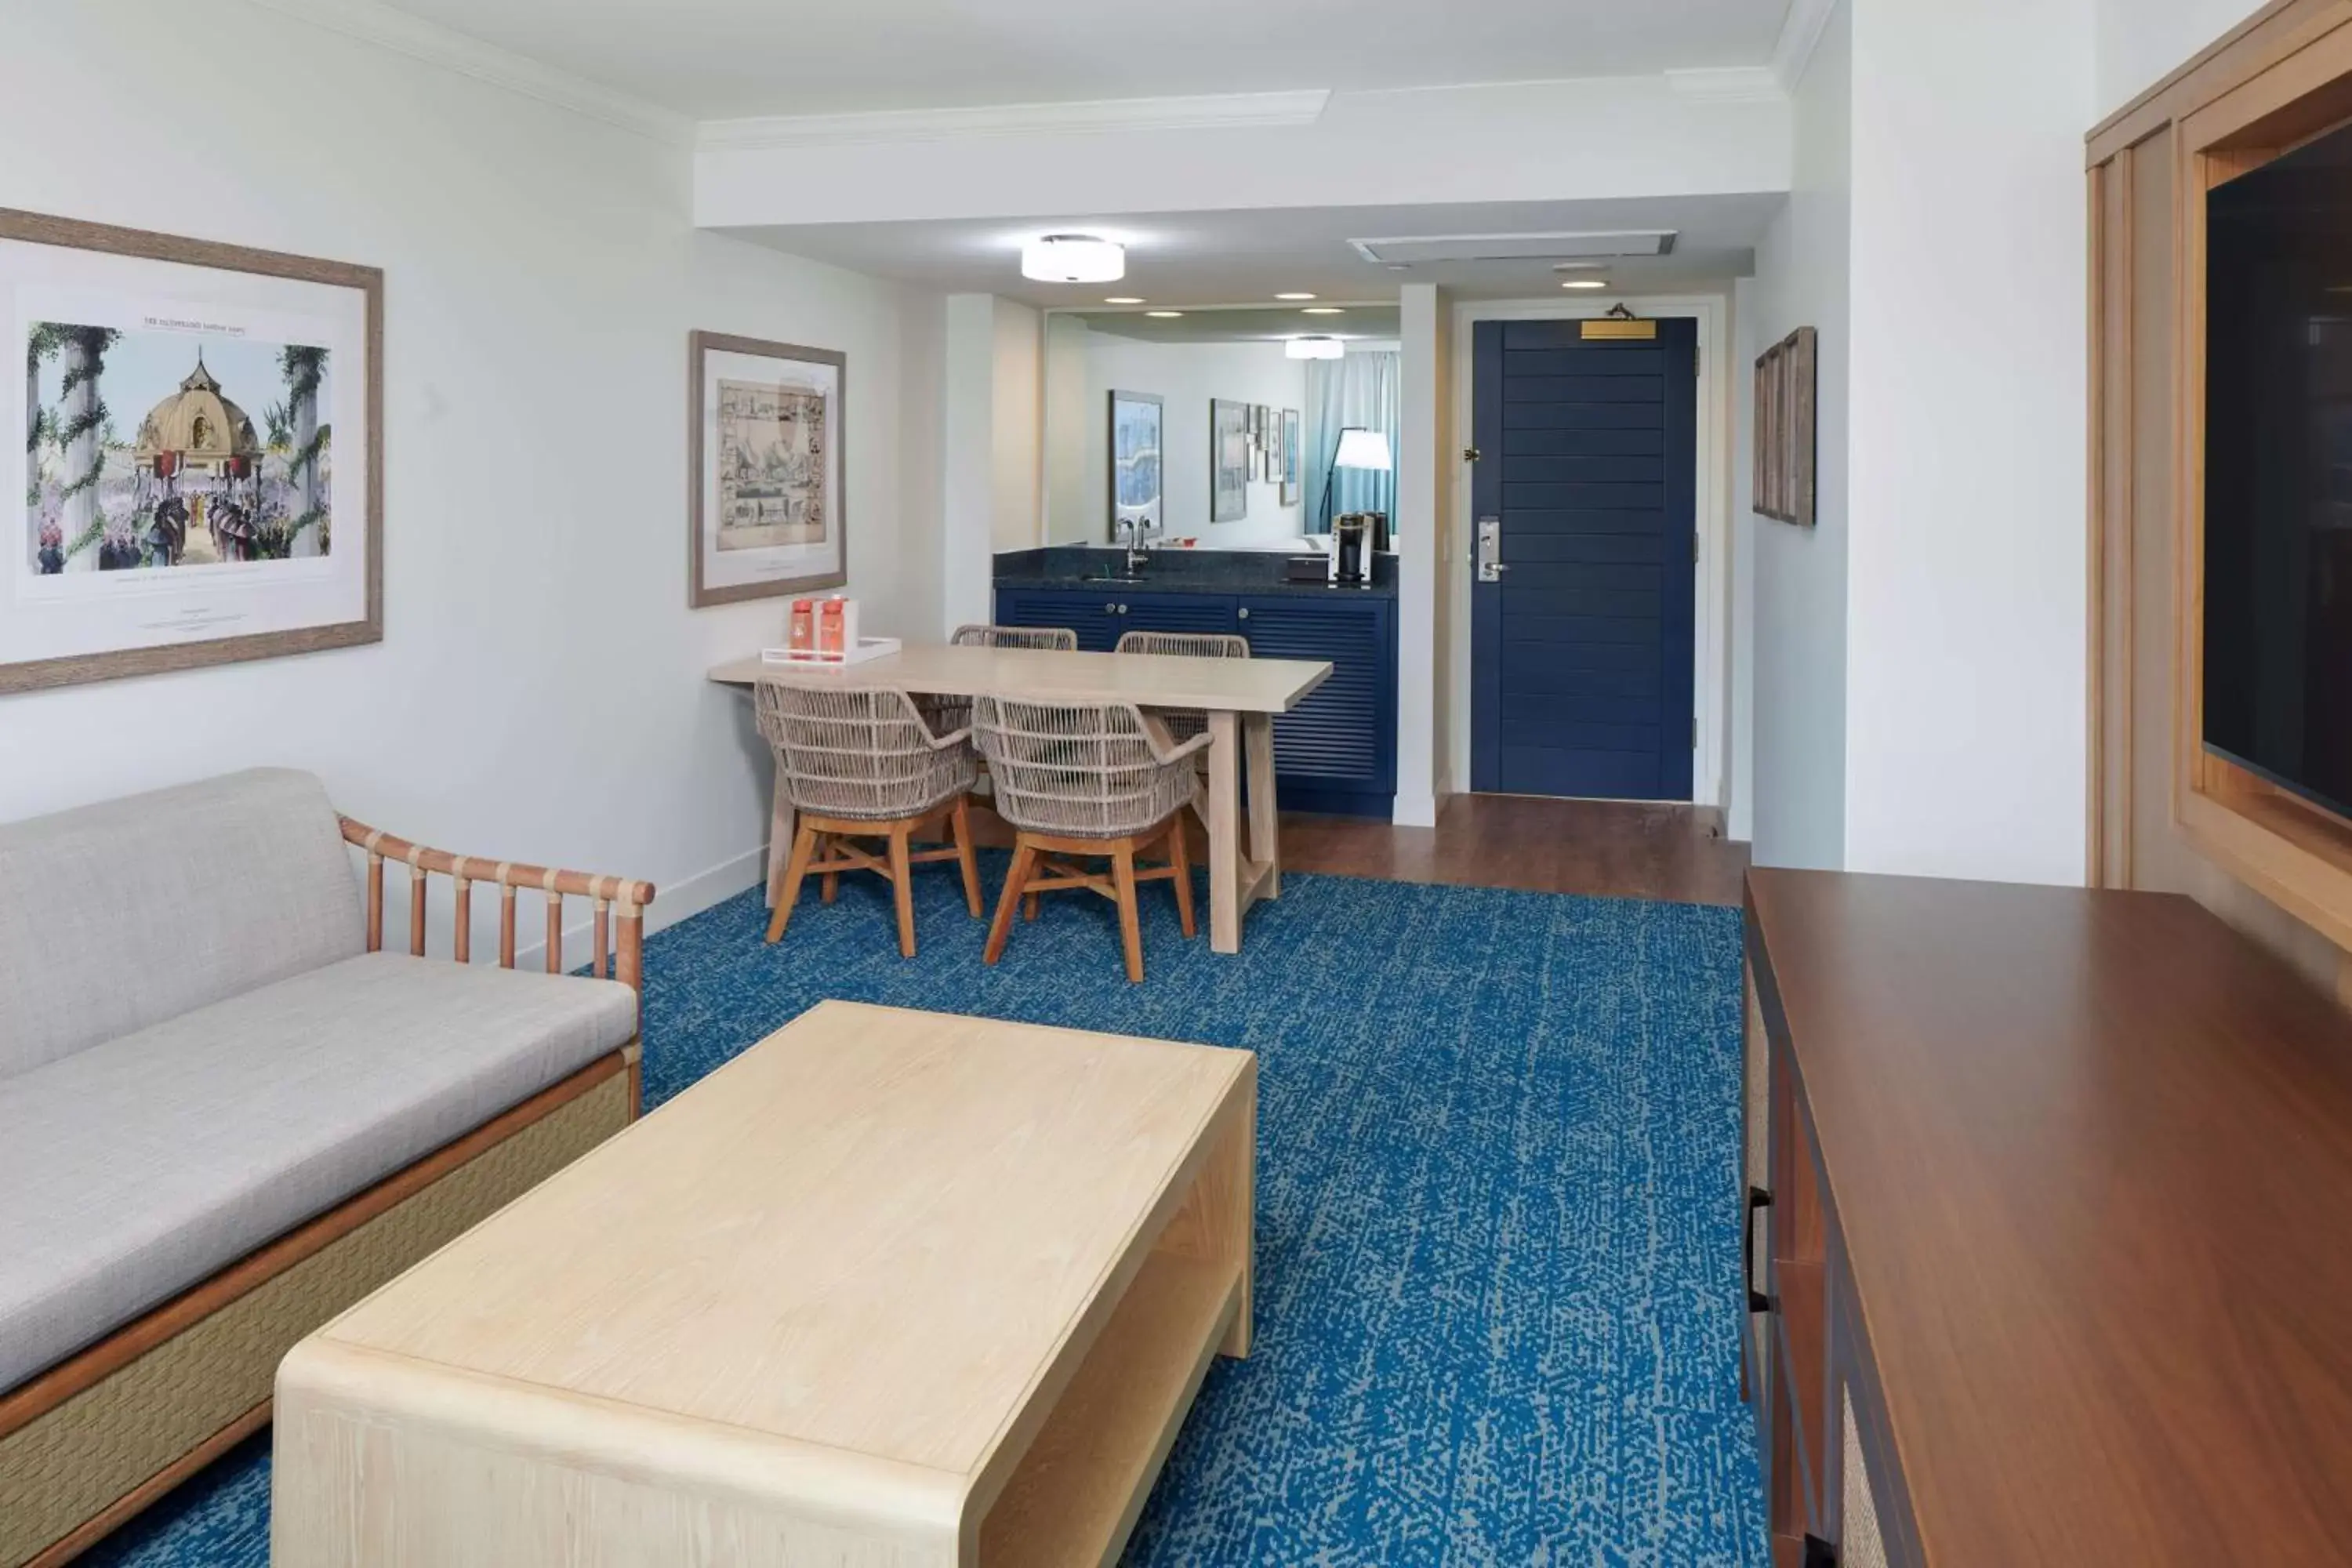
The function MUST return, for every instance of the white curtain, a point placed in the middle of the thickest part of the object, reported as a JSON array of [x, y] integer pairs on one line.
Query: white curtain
[[1360, 390]]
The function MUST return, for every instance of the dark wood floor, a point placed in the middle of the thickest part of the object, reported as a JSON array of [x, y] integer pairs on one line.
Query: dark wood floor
[[1609, 848], [1626, 849]]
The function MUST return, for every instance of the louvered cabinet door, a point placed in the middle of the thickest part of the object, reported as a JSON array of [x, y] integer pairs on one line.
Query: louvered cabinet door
[[1178, 613], [1336, 751], [1094, 616]]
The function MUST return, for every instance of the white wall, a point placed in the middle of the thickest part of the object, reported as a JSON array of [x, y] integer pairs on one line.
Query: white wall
[[1017, 428], [1074, 514], [2140, 42], [967, 501], [1186, 376], [1424, 421], [1797, 630], [1965, 592], [540, 692]]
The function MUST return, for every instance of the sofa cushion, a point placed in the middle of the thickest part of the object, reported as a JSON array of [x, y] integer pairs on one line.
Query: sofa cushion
[[137, 1168], [125, 913]]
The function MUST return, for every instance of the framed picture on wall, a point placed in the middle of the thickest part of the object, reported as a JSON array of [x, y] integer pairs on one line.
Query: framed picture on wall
[[1291, 456], [1137, 427], [1229, 460], [1786, 379], [201, 477], [765, 512]]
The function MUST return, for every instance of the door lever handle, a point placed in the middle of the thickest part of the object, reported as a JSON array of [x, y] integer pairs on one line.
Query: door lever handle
[[1490, 550]]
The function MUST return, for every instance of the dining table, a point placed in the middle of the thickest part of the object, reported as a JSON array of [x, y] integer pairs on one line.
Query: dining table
[[1241, 697]]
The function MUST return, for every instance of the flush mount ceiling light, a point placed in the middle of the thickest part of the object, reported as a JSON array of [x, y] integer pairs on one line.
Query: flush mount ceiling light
[[1164, 315], [1073, 258], [1123, 300], [1293, 296], [1323, 311], [1314, 348], [1584, 283]]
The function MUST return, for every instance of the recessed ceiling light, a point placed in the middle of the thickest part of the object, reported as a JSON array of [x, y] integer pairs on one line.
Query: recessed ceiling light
[[1293, 296], [1164, 315], [1323, 311], [1073, 258], [1585, 283], [1314, 348], [1123, 300]]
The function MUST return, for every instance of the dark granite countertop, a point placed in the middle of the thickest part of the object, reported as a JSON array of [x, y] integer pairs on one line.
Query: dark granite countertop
[[1176, 572]]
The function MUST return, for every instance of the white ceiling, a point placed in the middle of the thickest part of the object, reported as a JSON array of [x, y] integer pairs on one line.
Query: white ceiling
[[724, 58], [1195, 259], [1262, 324]]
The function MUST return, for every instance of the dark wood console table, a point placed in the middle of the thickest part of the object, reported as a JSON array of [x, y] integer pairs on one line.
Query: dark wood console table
[[2056, 1267]]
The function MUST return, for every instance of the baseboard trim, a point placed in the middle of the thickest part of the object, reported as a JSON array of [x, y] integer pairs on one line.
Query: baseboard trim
[[1415, 811]]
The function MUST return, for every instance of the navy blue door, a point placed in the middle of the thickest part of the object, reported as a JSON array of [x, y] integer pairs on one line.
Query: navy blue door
[[1581, 668]]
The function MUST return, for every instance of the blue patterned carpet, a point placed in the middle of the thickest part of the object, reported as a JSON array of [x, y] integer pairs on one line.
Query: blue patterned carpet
[[1497, 1264]]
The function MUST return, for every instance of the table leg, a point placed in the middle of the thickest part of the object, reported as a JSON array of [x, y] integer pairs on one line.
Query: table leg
[[780, 841], [1224, 833], [1264, 820]]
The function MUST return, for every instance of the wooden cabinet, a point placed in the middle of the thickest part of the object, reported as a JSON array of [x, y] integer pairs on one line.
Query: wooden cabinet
[[2052, 1271], [1337, 751]]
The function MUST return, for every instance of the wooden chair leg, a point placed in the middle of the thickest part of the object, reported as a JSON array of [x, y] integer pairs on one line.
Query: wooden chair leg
[[1180, 857], [1024, 857], [965, 856], [902, 886], [1030, 905], [803, 846], [831, 878], [1131, 931]]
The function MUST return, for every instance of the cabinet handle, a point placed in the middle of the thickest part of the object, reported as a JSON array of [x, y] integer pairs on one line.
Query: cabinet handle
[[1110, 609], [1122, 609], [1758, 1302], [1243, 612]]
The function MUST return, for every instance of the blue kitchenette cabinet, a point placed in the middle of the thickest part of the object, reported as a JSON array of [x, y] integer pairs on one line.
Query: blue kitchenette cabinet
[[1337, 751]]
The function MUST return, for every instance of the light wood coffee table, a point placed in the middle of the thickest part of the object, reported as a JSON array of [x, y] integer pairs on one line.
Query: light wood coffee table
[[891, 1288]]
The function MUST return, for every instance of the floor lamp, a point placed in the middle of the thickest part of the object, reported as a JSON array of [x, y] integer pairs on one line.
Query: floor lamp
[[1359, 448]]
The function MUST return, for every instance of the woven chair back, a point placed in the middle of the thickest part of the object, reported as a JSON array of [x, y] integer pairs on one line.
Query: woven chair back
[[1056, 638], [1184, 723], [1081, 771], [861, 754], [1186, 645]]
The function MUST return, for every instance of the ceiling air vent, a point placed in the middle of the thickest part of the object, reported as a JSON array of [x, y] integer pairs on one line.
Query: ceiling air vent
[[1412, 250]]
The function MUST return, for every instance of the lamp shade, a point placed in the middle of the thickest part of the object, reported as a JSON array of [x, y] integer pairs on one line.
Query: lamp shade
[[1073, 258], [1362, 448], [1314, 348]]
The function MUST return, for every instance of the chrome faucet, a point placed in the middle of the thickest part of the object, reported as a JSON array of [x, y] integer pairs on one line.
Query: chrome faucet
[[1138, 548]]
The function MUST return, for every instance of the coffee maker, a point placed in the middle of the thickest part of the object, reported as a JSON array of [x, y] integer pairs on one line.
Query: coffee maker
[[1355, 539]]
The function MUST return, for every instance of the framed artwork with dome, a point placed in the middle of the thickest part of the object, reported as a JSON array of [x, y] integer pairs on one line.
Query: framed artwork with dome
[[201, 477]]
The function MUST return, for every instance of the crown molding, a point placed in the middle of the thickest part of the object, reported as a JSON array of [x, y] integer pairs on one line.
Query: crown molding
[[369, 22], [1727, 84], [1204, 112], [1801, 30]]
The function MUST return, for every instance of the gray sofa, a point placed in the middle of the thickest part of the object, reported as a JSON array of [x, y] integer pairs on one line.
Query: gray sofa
[[223, 1115]]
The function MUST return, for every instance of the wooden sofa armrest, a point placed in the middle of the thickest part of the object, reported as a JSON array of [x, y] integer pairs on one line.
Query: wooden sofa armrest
[[619, 903]]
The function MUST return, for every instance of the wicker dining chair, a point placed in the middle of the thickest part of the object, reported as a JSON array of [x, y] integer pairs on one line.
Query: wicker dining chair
[[1059, 637], [864, 765], [943, 712], [1184, 723], [1088, 782]]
